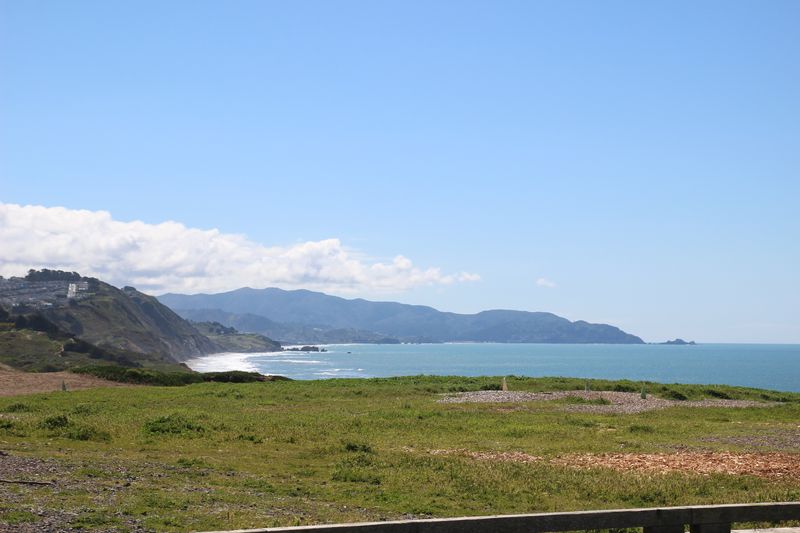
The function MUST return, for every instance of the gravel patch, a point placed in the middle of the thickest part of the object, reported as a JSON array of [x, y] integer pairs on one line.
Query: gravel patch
[[55, 477], [618, 402]]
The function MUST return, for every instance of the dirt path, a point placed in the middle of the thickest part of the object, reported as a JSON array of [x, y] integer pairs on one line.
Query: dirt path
[[13, 382]]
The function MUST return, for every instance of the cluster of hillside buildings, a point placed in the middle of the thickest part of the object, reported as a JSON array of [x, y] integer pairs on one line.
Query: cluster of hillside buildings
[[19, 294]]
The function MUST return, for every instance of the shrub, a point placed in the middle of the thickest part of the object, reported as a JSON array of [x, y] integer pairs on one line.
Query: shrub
[[250, 437], [54, 422], [145, 376], [17, 408], [491, 386], [672, 394], [357, 447], [355, 475], [140, 376], [173, 424], [233, 376], [87, 433], [717, 394]]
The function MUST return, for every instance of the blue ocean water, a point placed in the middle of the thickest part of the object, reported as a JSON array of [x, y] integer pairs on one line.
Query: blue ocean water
[[769, 366]]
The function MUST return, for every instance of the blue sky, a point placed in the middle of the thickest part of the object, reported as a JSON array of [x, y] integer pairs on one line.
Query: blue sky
[[639, 159]]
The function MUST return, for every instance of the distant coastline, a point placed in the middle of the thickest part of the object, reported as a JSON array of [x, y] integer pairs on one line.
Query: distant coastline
[[768, 366]]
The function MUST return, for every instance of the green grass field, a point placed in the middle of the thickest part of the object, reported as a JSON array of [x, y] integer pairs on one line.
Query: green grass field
[[224, 456]]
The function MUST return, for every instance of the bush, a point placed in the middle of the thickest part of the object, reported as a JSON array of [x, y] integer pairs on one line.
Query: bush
[[140, 376], [17, 408], [173, 424], [491, 386], [233, 376], [357, 447], [143, 376], [87, 433], [355, 475], [672, 394], [54, 422]]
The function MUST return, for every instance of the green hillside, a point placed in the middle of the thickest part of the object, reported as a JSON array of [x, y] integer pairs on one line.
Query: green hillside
[[227, 339]]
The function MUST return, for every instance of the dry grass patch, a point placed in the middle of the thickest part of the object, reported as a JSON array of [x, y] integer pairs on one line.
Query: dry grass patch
[[13, 383], [766, 465]]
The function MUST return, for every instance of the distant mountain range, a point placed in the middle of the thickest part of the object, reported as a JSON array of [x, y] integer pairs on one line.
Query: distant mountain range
[[303, 316]]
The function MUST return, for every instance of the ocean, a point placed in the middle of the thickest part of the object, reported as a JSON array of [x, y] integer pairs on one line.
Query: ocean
[[768, 366]]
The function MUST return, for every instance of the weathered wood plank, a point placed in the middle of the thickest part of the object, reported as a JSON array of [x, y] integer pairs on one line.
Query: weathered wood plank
[[711, 528], [704, 519], [677, 528]]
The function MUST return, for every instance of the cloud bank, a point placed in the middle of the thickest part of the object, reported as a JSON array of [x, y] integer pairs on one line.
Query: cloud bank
[[170, 257]]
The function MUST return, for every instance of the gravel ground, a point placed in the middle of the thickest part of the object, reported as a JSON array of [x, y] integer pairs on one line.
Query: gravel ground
[[59, 477], [619, 402], [775, 439]]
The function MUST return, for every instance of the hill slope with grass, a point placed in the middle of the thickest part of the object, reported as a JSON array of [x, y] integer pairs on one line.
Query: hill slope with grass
[[32, 343], [228, 339], [64, 310]]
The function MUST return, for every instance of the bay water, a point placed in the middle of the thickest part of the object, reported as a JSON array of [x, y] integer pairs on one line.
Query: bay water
[[768, 366]]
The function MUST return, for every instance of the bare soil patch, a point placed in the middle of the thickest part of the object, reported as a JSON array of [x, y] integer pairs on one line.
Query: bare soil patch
[[774, 465], [13, 382], [618, 402]]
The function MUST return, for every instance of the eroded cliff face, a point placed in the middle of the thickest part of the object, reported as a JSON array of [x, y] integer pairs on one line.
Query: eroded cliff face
[[129, 320]]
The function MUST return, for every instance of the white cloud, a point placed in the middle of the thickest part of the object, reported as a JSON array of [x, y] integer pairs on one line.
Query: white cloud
[[544, 282], [171, 257]]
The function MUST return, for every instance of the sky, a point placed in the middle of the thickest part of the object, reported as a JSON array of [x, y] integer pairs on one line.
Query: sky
[[633, 163]]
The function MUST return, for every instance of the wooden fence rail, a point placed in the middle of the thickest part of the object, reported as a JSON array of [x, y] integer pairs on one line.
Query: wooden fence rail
[[699, 518]]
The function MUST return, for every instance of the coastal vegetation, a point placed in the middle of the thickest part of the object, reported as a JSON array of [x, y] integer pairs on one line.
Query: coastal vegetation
[[228, 339], [225, 455]]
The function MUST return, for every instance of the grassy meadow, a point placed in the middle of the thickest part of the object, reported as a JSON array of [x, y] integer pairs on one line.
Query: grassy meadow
[[223, 456]]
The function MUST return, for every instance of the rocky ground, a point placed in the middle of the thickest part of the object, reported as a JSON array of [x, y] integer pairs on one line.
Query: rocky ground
[[22, 477], [614, 402]]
